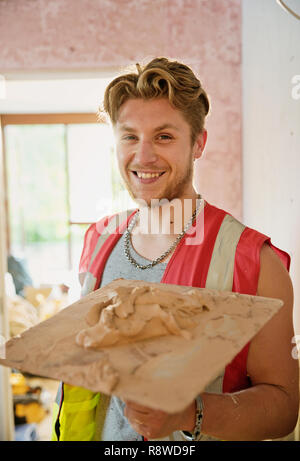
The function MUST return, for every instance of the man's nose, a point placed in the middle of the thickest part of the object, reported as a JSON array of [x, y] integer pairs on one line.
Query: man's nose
[[145, 152]]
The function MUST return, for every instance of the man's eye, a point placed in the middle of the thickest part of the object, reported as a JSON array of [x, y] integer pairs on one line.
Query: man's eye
[[129, 137], [164, 137]]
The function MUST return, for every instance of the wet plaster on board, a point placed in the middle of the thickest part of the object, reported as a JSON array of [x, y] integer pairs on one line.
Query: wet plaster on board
[[184, 359]]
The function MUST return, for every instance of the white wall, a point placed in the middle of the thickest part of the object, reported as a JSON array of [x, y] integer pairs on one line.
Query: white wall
[[271, 127], [52, 92]]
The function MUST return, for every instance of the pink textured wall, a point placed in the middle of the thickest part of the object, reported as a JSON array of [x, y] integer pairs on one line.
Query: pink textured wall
[[84, 34]]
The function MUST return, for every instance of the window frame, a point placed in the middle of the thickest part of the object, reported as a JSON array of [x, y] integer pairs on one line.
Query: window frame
[[44, 119]]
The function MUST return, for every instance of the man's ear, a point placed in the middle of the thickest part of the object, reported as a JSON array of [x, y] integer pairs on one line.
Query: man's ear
[[200, 144]]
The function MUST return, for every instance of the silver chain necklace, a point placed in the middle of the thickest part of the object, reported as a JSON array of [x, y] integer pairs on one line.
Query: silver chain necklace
[[167, 252]]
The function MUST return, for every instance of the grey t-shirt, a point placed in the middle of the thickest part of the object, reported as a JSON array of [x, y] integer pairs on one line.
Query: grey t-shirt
[[116, 426]]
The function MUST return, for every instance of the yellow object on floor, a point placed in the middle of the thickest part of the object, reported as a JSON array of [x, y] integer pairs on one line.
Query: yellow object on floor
[[33, 412], [18, 384]]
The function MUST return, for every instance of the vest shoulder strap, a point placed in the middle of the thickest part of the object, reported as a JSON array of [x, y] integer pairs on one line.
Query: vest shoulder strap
[[221, 268], [95, 237]]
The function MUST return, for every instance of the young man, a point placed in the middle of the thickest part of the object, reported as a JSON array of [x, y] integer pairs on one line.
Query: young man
[[158, 115]]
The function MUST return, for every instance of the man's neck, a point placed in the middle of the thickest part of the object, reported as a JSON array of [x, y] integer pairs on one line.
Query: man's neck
[[166, 217]]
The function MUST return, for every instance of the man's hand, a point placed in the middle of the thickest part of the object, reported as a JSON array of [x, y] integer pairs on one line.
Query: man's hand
[[156, 424]]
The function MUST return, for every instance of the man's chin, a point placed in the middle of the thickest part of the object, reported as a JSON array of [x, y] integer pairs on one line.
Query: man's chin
[[153, 201], [143, 201]]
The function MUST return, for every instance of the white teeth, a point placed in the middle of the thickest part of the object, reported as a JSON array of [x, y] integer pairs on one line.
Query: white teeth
[[147, 175]]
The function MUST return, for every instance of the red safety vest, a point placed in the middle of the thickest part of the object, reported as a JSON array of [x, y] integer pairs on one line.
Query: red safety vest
[[189, 266], [228, 258]]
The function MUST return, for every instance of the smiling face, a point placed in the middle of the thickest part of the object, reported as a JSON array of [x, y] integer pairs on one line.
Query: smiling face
[[154, 150]]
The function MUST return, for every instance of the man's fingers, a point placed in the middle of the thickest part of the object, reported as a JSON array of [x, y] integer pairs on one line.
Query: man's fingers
[[138, 408], [135, 416]]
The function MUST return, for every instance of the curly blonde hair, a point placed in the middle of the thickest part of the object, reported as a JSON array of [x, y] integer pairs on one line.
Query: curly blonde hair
[[160, 78]]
